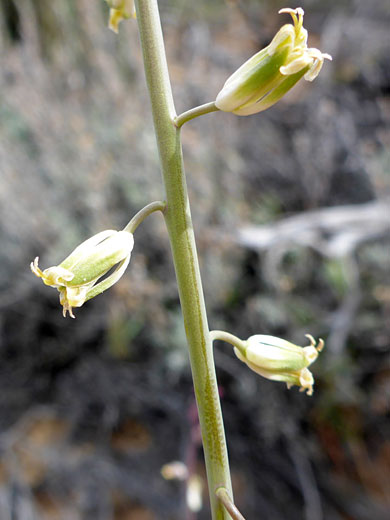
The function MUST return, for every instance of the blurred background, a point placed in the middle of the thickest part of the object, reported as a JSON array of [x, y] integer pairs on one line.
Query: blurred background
[[291, 215]]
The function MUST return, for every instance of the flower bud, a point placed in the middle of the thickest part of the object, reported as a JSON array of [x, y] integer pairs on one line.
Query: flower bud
[[280, 360], [266, 77], [77, 277], [120, 10]]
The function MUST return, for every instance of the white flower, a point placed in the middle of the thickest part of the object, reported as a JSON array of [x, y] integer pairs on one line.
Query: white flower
[[77, 277], [266, 77], [280, 360]]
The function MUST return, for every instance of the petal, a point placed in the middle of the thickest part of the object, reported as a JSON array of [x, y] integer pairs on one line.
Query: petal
[[53, 276], [72, 297], [56, 276], [318, 58], [251, 81], [76, 295], [280, 356], [272, 97], [296, 65], [306, 381], [109, 281], [81, 250], [246, 67], [285, 36], [310, 354], [103, 257], [273, 341]]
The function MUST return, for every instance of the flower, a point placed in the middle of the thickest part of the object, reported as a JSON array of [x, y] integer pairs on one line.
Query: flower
[[77, 277], [266, 77], [120, 10], [280, 360]]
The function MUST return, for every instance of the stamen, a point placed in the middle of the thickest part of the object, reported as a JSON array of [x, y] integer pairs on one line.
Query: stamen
[[314, 70], [300, 12], [296, 65], [298, 20], [313, 342], [66, 307], [318, 55], [35, 269]]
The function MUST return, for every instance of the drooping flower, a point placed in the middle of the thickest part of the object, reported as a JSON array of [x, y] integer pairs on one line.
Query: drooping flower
[[279, 360], [266, 77], [77, 277], [120, 10]]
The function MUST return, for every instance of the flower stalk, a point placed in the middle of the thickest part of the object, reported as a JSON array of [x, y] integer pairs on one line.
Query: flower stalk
[[222, 335], [179, 224], [143, 213], [201, 110]]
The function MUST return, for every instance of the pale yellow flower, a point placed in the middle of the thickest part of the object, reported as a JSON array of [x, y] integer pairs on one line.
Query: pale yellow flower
[[279, 360], [77, 277], [266, 77]]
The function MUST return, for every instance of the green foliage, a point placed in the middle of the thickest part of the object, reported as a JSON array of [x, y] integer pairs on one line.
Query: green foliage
[[336, 276]]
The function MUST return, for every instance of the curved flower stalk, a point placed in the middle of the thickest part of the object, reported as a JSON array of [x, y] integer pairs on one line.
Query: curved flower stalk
[[279, 360], [266, 77], [77, 277], [120, 10]]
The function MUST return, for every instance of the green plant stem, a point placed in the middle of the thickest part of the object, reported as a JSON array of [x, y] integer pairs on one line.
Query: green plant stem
[[143, 213], [195, 112], [221, 335], [182, 240]]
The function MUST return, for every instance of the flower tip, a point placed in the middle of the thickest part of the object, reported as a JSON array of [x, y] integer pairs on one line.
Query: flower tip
[[313, 343], [306, 381], [288, 10], [35, 269], [308, 389], [68, 308], [311, 339], [34, 264]]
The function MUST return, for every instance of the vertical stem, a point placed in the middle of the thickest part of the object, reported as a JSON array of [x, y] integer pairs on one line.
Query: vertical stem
[[179, 225]]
